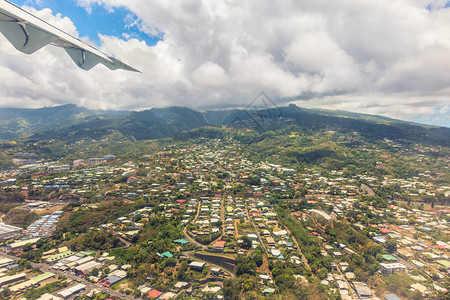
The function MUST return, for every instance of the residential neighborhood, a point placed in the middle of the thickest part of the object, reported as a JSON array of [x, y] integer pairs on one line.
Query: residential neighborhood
[[187, 221]]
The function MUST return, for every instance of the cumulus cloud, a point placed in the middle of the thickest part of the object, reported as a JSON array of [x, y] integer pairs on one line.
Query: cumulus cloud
[[389, 57]]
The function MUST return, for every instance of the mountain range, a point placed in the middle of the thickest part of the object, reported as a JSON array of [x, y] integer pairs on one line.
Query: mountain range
[[70, 123]]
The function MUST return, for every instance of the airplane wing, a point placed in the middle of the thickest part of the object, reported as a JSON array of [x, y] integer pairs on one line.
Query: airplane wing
[[28, 33]]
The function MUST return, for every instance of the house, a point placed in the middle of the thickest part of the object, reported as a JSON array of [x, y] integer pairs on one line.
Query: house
[[154, 294], [362, 290], [168, 295], [280, 234], [49, 297], [181, 242], [110, 280], [197, 266], [166, 254], [389, 269], [216, 271], [391, 297], [268, 291], [219, 246], [180, 285], [389, 257], [419, 287], [270, 241]]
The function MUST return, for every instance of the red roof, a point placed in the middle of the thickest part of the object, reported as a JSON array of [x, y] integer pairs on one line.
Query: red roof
[[181, 201], [154, 294], [385, 230], [220, 244]]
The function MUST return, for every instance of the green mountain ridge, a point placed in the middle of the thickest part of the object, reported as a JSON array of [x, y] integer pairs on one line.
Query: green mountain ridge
[[19, 122], [71, 123]]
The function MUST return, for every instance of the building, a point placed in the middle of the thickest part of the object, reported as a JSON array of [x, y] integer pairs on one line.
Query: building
[[61, 168], [180, 285], [67, 293], [362, 290], [20, 244], [95, 160], [8, 231], [389, 269], [5, 262], [181, 242], [78, 162], [11, 279], [270, 241], [197, 266], [321, 214], [86, 268], [168, 295], [280, 234], [216, 271], [110, 280], [219, 246], [154, 294], [391, 297], [49, 297]]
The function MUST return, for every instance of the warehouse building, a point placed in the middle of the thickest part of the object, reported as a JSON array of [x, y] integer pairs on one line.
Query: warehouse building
[[67, 293], [86, 268]]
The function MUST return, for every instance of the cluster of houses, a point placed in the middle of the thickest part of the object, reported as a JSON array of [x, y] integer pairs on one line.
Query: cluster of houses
[[208, 221], [421, 239], [44, 226], [222, 196]]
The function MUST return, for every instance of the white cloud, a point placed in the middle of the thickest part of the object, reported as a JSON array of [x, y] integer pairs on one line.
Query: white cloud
[[390, 57], [210, 74]]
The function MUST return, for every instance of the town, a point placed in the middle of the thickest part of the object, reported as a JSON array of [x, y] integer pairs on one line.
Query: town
[[206, 220]]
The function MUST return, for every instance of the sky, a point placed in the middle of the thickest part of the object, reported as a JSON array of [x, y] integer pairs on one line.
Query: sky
[[384, 57]]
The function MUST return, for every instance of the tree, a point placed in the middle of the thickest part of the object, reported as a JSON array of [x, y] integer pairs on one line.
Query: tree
[[391, 245], [417, 295], [246, 242], [258, 257], [27, 247], [181, 274], [230, 289]]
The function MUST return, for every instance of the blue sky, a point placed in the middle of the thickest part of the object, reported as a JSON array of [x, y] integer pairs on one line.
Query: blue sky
[[99, 21]]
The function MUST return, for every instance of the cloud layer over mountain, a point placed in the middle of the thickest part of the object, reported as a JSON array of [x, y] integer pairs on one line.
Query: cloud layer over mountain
[[381, 57]]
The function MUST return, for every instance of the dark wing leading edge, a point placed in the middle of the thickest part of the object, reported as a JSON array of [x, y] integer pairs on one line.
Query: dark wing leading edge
[[27, 33]]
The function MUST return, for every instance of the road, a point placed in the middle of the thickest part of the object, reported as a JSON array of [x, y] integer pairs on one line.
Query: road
[[265, 266], [305, 261], [188, 237], [222, 214], [190, 254]]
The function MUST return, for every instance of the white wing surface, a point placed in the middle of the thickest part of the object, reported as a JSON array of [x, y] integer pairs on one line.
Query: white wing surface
[[28, 33]]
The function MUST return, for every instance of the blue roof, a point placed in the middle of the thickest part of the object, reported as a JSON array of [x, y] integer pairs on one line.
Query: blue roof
[[391, 297], [166, 254], [112, 279], [181, 241]]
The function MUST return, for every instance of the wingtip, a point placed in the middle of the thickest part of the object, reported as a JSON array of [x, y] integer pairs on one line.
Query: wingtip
[[117, 64]]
